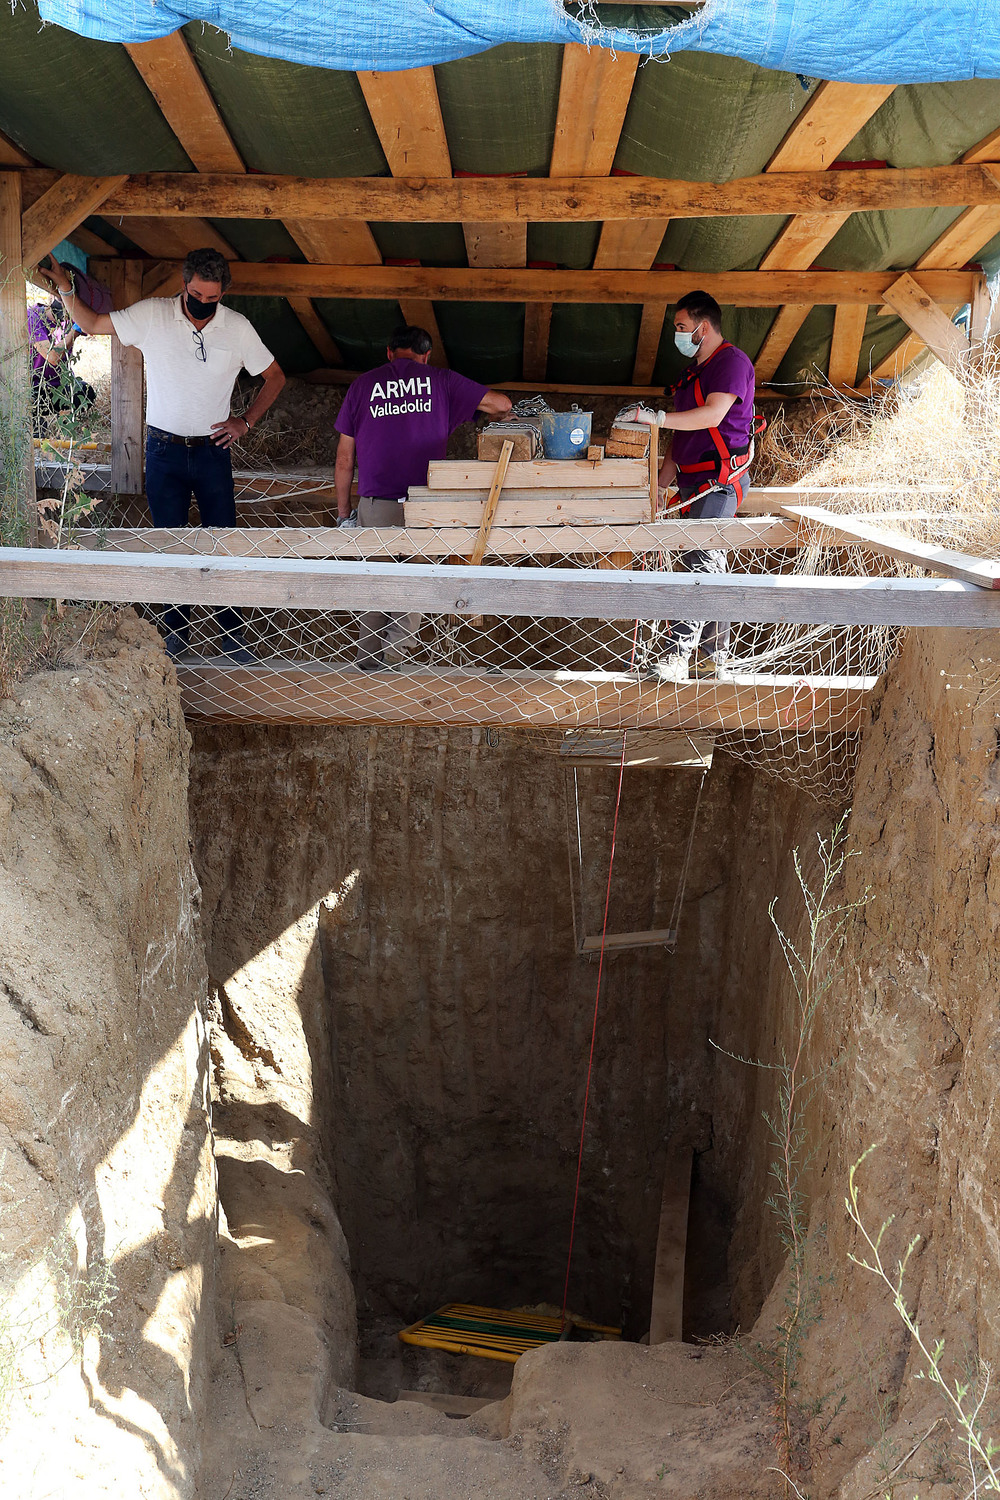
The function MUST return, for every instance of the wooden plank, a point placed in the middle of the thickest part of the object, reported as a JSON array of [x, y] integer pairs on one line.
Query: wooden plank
[[984, 572], [648, 344], [535, 508], [492, 501], [462, 284], [171, 239], [988, 149], [471, 474], [418, 312], [961, 241], [667, 749], [496, 244], [666, 1319], [317, 330], [126, 389], [629, 244], [657, 938], [803, 238], [15, 378], [595, 86], [175, 81], [446, 541], [537, 323], [828, 123], [60, 210], [451, 1406], [287, 692], [255, 582], [90, 243], [11, 155], [426, 198], [788, 320], [342, 242], [919, 312], [406, 113], [845, 348]]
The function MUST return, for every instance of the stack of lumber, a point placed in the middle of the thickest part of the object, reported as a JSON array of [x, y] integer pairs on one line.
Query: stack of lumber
[[628, 440], [543, 492]]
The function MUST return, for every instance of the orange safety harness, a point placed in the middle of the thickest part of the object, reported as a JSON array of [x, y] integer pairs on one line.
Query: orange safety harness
[[725, 467]]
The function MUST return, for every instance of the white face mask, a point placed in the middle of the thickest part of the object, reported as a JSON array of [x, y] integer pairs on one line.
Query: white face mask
[[686, 344]]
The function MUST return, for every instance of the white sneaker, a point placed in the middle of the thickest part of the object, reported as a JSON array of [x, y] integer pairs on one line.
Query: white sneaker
[[672, 668]]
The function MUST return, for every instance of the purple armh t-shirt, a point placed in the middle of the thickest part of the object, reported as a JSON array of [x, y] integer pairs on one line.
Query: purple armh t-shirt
[[401, 416], [40, 332], [729, 370]]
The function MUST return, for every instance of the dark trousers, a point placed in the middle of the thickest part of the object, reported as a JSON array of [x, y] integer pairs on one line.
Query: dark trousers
[[711, 635], [173, 474]]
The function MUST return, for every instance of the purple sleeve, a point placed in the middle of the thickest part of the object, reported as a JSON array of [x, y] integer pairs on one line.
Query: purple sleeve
[[346, 420], [37, 331], [464, 396]]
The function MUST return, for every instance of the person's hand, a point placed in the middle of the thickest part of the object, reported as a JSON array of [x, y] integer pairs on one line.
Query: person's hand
[[228, 431], [643, 414], [52, 276], [348, 523]]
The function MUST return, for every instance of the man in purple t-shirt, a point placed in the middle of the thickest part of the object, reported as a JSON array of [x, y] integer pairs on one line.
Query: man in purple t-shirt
[[713, 413], [395, 420]]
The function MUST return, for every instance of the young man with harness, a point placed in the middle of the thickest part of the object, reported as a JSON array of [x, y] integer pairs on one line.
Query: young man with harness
[[709, 460]]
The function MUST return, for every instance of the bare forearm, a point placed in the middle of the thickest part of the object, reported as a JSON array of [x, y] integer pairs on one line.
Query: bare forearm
[[266, 397], [343, 478], [698, 420]]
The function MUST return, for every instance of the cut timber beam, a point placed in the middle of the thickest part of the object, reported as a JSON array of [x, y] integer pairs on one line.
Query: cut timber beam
[[828, 123], [288, 692], [176, 83], [11, 155], [658, 937], [429, 199], [317, 330], [170, 239], [15, 380], [648, 344], [59, 211], [537, 323], [666, 1320], [963, 240], [788, 320], [460, 474], [460, 284], [803, 238], [919, 312], [845, 348], [444, 541], [594, 91], [126, 389], [406, 113], [984, 572], [572, 594], [988, 149]]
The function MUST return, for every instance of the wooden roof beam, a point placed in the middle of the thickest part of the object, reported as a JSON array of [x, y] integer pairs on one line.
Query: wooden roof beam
[[929, 322], [59, 211], [442, 200], [457, 284], [11, 154], [406, 113]]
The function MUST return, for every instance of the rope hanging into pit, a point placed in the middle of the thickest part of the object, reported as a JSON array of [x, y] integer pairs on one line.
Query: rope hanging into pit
[[593, 1030]]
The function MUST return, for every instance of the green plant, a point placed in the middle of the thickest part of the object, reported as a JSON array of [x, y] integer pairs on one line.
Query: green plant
[[811, 963], [966, 1393]]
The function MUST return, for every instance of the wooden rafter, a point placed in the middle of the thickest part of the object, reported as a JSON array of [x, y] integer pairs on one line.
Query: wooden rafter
[[988, 149], [11, 155], [173, 77], [831, 119], [921, 314], [845, 348], [406, 113], [437, 200], [648, 344], [60, 210], [535, 284], [963, 239]]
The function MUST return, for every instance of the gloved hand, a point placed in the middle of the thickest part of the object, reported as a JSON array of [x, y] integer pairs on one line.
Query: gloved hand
[[349, 523], [643, 414]]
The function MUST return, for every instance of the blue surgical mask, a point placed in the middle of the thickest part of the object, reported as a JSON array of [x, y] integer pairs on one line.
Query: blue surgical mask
[[686, 344]]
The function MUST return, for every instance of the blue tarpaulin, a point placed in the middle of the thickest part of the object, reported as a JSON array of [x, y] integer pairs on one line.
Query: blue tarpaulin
[[862, 41]]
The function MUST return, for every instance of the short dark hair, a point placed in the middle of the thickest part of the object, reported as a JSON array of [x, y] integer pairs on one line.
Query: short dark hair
[[702, 307], [417, 340], [209, 264]]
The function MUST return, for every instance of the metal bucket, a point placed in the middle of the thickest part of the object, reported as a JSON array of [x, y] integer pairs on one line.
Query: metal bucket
[[565, 434]]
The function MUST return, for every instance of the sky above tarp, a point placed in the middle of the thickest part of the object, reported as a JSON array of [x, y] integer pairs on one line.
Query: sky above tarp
[[863, 41]]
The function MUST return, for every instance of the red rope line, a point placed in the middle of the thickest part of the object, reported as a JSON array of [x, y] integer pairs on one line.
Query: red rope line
[[597, 1003]]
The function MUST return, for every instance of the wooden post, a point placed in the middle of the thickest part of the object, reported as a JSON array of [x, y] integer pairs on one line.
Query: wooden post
[[17, 458], [126, 389], [654, 469]]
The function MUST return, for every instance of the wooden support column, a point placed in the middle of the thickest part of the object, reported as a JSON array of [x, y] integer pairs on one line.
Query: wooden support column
[[845, 348], [537, 319], [17, 459], [920, 313], [126, 389]]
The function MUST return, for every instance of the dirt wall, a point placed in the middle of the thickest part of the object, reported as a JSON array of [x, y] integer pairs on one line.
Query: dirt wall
[[107, 1199], [910, 1029]]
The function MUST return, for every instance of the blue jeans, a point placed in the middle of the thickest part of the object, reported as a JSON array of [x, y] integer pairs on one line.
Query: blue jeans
[[711, 635], [173, 474]]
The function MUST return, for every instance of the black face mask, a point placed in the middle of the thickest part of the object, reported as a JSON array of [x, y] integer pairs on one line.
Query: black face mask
[[199, 309]]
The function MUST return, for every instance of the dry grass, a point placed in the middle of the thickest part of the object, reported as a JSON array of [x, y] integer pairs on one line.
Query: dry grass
[[931, 446]]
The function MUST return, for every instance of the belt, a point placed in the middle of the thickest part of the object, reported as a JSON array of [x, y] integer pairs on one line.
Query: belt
[[173, 437]]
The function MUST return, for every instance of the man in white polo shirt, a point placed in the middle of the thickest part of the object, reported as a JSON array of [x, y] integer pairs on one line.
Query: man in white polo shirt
[[193, 348]]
